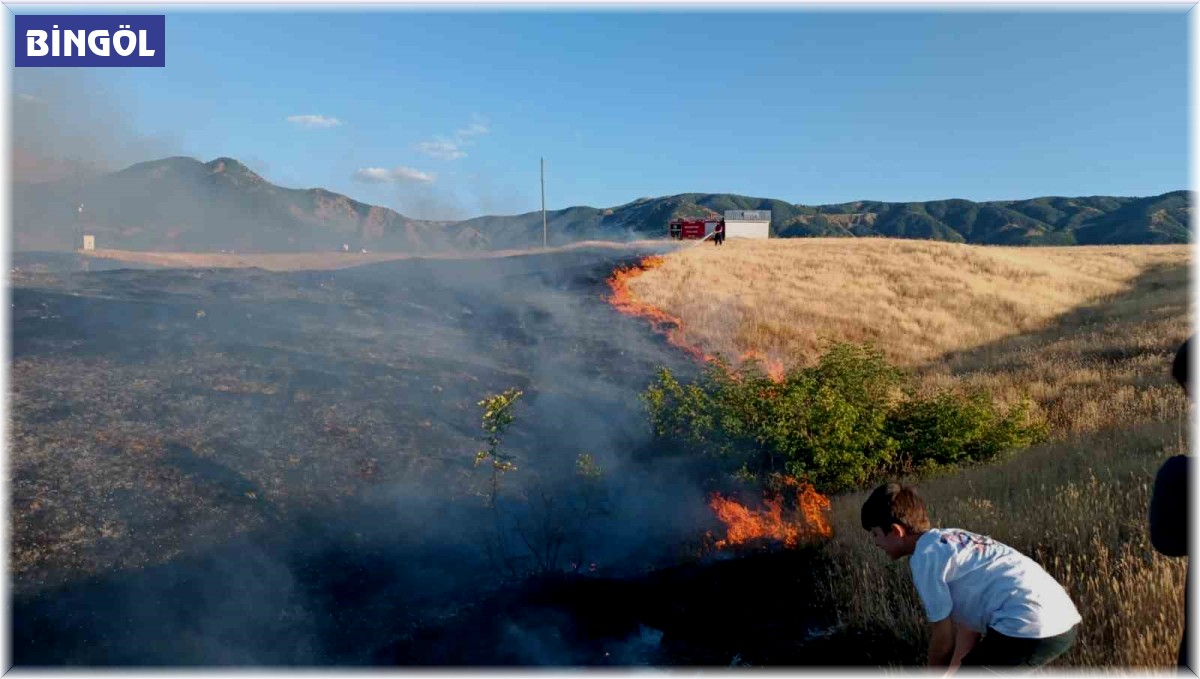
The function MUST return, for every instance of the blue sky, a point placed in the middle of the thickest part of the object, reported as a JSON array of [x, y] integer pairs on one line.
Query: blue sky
[[445, 115]]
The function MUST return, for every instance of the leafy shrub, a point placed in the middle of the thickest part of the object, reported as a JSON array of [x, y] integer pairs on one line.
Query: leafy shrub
[[950, 428], [841, 424]]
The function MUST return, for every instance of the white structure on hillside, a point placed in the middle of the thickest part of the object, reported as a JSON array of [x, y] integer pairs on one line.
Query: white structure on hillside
[[89, 242], [747, 223]]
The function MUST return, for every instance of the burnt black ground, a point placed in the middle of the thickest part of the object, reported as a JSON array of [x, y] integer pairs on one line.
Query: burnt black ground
[[236, 467]]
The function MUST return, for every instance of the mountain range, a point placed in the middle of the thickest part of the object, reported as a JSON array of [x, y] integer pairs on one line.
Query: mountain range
[[181, 203]]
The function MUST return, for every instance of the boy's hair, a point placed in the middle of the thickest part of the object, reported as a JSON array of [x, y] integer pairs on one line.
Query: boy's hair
[[893, 503], [1179, 369]]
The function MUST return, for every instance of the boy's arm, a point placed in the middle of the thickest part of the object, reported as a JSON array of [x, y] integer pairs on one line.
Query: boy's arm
[[941, 643], [964, 640], [930, 567]]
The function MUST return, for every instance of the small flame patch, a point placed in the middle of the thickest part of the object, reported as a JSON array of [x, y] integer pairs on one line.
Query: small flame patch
[[775, 369], [791, 527]]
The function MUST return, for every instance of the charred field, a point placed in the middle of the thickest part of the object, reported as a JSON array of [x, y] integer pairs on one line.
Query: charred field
[[240, 467]]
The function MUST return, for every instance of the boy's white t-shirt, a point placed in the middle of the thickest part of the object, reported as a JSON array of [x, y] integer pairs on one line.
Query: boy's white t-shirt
[[983, 583]]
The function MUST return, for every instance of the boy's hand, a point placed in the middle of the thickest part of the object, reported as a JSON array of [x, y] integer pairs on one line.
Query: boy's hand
[[941, 643]]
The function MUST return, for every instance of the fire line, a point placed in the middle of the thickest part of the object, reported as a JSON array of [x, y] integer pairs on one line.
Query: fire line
[[663, 323], [624, 301], [809, 519]]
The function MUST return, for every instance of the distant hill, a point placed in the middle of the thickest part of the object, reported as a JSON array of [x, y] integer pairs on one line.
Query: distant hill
[[182, 203], [1037, 221], [1088, 220]]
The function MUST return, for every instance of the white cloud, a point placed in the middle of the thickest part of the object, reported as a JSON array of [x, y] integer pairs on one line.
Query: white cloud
[[476, 128], [29, 99], [452, 149], [380, 175], [314, 121], [442, 149]]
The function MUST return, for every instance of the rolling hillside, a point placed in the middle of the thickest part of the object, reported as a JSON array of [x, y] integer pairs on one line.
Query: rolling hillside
[[183, 204]]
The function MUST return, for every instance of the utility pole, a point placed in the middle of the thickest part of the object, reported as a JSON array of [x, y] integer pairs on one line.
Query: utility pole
[[543, 202], [83, 258]]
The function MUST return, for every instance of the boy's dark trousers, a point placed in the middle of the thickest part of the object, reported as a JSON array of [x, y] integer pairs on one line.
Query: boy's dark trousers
[[998, 650]]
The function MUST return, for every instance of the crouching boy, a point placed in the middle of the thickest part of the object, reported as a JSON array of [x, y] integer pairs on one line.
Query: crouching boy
[[971, 585]]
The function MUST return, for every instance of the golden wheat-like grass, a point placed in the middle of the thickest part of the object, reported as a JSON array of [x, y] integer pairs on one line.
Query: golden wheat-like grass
[[1087, 333], [1078, 507], [915, 299]]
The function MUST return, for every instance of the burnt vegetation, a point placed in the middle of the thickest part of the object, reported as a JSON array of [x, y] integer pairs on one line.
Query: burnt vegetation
[[236, 467], [242, 467]]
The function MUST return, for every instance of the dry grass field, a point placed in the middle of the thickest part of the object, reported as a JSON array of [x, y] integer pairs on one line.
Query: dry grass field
[[917, 300], [1087, 332]]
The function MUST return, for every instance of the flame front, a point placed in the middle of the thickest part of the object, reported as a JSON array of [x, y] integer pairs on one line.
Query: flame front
[[790, 526], [810, 518], [624, 301]]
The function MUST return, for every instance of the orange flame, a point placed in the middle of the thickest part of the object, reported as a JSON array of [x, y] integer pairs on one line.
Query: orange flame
[[663, 323], [810, 518], [660, 321], [775, 369]]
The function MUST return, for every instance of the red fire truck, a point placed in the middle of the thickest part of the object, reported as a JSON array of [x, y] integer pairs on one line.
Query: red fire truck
[[692, 229]]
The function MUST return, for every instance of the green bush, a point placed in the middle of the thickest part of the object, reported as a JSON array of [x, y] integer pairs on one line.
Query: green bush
[[950, 428], [841, 424]]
